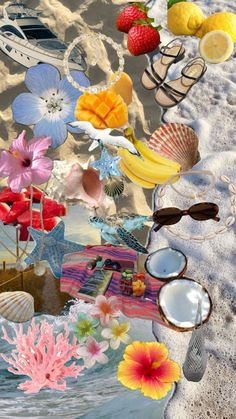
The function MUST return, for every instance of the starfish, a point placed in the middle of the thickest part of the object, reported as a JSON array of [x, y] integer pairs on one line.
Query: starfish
[[52, 248], [107, 165]]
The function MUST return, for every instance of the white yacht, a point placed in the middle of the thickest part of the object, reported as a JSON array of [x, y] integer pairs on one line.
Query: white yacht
[[25, 39]]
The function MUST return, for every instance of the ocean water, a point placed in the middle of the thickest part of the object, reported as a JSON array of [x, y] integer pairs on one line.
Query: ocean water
[[96, 395]]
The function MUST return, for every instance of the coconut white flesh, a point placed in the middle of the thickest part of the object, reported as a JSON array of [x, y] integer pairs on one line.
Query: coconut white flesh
[[166, 263], [179, 302]]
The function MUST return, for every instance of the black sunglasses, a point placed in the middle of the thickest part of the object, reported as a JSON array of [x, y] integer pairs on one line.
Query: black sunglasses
[[199, 212]]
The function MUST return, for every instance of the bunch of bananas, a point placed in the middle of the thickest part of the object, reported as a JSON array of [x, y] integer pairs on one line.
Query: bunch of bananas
[[149, 171]]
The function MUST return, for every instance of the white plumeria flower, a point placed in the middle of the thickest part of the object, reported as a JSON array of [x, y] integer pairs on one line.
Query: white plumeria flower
[[93, 352], [117, 332]]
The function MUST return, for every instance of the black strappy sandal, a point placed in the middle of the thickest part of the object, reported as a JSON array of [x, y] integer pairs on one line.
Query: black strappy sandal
[[175, 91], [155, 74]]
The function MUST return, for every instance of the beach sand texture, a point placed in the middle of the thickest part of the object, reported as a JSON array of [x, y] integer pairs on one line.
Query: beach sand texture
[[210, 110]]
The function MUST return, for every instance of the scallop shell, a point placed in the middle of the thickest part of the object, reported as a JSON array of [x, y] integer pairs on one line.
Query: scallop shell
[[114, 187], [176, 142], [16, 306]]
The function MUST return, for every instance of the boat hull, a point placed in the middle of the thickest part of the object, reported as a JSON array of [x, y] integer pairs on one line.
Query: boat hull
[[29, 55]]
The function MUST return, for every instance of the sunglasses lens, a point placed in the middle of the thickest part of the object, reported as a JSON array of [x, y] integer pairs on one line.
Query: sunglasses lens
[[167, 216], [204, 211]]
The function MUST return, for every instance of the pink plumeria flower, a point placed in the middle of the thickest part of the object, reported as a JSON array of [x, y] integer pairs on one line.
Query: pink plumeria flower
[[105, 309], [25, 162], [117, 332], [93, 352]]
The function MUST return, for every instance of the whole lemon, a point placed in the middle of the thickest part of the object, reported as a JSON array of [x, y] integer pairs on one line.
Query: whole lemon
[[184, 18], [224, 21]]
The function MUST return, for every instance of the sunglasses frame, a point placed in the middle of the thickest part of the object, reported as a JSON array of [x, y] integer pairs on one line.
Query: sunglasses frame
[[183, 213]]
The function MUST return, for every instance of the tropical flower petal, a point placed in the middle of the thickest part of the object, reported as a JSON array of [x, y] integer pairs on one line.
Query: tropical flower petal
[[82, 352], [7, 162], [73, 130], [54, 129], [129, 375], [106, 333], [41, 170], [19, 144], [104, 345], [115, 343], [38, 146], [137, 352], [90, 362], [102, 359], [41, 78], [168, 371], [125, 339], [157, 351], [153, 388], [71, 91], [18, 181], [27, 109], [70, 117]]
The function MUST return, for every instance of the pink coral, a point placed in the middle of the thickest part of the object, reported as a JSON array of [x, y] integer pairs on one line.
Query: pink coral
[[42, 357]]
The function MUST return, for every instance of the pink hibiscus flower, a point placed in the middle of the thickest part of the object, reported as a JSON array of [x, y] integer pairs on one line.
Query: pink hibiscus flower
[[93, 352], [105, 309], [25, 162]]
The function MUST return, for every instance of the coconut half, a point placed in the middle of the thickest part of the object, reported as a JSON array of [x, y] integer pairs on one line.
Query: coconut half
[[178, 302]]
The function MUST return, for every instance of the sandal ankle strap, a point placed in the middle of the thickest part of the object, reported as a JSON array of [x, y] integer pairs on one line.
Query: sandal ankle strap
[[194, 61]]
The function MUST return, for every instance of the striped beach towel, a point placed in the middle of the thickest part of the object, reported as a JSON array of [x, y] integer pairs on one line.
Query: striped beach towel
[[75, 274]]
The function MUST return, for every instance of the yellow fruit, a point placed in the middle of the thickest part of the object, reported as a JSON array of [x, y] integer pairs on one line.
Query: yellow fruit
[[147, 153], [184, 18], [223, 21], [216, 47], [145, 169], [123, 87], [135, 179], [154, 157], [103, 110]]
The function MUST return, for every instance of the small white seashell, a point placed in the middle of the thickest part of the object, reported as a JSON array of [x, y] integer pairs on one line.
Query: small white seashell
[[230, 221], [176, 142], [39, 269], [198, 238], [225, 179], [222, 230], [210, 236], [185, 237], [16, 306], [233, 209], [233, 199], [232, 188]]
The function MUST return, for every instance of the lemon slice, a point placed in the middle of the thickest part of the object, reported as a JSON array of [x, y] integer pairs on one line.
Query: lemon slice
[[216, 47]]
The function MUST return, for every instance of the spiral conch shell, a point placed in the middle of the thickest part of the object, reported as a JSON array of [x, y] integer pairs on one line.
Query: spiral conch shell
[[176, 142], [16, 306]]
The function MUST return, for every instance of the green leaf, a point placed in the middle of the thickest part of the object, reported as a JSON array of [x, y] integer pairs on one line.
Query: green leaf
[[171, 3]]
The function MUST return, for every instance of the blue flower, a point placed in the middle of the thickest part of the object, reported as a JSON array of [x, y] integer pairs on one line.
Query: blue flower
[[51, 104]]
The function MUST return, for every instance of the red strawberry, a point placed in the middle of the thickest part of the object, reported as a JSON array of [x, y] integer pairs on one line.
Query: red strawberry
[[143, 38], [8, 196], [129, 14], [18, 208], [4, 211]]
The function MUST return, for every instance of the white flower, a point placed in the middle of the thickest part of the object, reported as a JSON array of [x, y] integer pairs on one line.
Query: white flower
[[116, 333]]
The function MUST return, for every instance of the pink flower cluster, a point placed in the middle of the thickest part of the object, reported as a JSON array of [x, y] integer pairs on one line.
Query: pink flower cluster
[[42, 357]]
